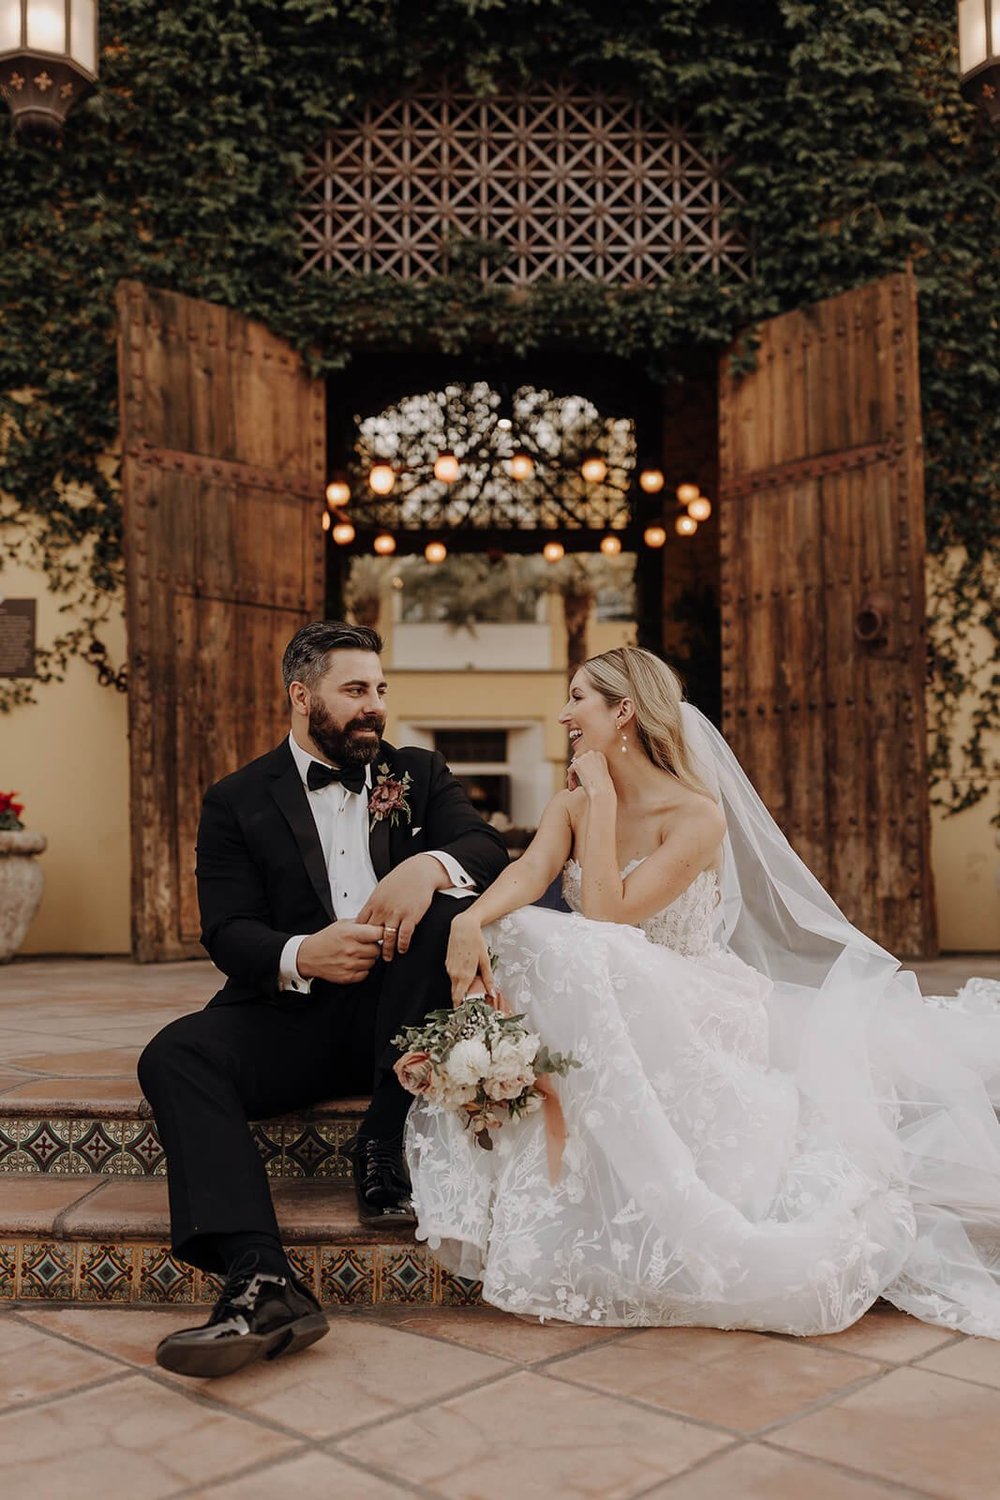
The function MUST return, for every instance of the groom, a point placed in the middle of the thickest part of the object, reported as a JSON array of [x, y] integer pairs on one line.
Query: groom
[[329, 871]]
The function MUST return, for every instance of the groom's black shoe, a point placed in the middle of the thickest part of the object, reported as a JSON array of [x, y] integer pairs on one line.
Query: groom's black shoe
[[258, 1316], [381, 1181]]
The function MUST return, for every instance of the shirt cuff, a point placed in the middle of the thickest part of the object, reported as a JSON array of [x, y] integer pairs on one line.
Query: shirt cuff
[[461, 883], [289, 977]]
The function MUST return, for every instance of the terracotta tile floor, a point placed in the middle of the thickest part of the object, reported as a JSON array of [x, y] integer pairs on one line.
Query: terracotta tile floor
[[462, 1403]]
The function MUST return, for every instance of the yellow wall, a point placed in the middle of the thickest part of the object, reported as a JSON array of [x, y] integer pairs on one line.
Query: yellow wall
[[67, 756]]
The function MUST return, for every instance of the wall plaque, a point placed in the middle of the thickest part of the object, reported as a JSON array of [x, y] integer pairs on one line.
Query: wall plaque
[[17, 637]]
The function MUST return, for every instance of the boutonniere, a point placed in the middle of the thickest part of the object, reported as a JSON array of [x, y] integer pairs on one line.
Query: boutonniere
[[387, 798]]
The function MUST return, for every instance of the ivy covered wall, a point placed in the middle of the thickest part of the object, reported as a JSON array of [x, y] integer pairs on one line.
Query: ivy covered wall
[[850, 144]]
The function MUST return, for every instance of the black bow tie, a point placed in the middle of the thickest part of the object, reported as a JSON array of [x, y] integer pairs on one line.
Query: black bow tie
[[351, 777]]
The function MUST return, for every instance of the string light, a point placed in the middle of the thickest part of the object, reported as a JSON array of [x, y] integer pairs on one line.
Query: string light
[[382, 478], [701, 508], [327, 523], [654, 536], [651, 481], [384, 544], [338, 491], [594, 469], [685, 525], [522, 465], [435, 552], [553, 552], [446, 468], [611, 545], [687, 492], [343, 533]]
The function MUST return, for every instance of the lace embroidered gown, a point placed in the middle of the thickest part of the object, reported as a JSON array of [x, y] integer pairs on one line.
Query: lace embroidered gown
[[727, 1165]]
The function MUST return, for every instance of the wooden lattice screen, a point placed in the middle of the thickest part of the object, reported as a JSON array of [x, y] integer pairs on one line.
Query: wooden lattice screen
[[574, 183]]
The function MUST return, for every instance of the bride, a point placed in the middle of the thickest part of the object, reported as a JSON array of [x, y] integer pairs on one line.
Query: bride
[[768, 1127]]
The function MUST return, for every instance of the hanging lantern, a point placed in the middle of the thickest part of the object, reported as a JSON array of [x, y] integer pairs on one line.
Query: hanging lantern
[[594, 469], [611, 545], [384, 544], [522, 465], [48, 60], [651, 481], [700, 508], [686, 493], [654, 536], [553, 552], [338, 491], [435, 552], [446, 468], [979, 54], [685, 525], [343, 533], [382, 478]]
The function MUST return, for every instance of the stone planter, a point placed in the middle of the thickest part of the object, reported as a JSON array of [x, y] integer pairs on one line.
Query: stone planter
[[21, 882]]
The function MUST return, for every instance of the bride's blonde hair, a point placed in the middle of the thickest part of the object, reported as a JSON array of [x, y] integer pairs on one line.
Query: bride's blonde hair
[[656, 692]]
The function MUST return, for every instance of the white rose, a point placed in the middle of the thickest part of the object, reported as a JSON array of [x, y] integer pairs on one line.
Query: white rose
[[467, 1062], [512, 1059], [509, 1085]]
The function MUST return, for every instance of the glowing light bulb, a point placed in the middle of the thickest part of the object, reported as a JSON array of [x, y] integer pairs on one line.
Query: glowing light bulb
[[382, 478], [504, 424], [701, 508], [651, 481], [522, 465], [553, 552], [687, 492], [611, 545], [384, 544], [594, 469], [654, 536], [327, 523], [685, 525], [343, 533], [446, 468], [435, 552], [338, 491]]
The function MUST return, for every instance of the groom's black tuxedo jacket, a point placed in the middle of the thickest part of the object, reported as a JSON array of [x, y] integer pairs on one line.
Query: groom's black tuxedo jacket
[[262, 877]]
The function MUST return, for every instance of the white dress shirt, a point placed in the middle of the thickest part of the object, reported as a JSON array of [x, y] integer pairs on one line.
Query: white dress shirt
[[341, 819]]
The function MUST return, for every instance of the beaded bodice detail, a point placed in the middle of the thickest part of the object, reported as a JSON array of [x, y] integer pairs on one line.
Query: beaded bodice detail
[[687, 925]]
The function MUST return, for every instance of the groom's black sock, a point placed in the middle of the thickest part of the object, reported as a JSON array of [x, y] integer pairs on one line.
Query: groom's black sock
[[254, 1250]]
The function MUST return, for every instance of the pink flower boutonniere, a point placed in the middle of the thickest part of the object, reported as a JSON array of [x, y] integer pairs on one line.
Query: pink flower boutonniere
[[387, 798]]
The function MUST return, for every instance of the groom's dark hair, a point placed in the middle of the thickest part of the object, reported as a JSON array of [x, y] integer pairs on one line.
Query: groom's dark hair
[[306, 653]]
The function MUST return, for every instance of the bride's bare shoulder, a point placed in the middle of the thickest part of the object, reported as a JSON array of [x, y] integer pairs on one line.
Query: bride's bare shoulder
[[698, 813]]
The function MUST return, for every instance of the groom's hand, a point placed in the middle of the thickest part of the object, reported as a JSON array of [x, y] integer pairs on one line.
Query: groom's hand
[[343, 953], [401, 898]]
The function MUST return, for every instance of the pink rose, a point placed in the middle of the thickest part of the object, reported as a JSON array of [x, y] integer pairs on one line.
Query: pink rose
[[415, 1072]]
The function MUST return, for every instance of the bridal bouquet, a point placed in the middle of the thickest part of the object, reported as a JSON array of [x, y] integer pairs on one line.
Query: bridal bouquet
[[479, 1062]]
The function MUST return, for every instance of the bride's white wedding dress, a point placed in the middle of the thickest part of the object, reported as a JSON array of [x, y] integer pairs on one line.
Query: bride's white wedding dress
[[743, 1151]]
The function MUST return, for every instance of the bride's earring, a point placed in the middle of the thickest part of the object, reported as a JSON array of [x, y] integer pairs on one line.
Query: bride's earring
[[624, 744]]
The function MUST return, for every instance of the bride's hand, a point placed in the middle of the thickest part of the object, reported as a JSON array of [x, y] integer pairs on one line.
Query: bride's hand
[[590, 770], [467, 959]]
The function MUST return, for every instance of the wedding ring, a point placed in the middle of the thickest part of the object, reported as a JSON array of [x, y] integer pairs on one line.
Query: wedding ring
[[390, 929]]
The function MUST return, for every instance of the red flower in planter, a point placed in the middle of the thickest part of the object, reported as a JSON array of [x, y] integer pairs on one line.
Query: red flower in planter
[[387, 798], [10, 812]]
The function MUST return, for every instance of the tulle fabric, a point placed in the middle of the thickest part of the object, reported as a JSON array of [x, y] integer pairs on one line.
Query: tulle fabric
[[746, 1149]]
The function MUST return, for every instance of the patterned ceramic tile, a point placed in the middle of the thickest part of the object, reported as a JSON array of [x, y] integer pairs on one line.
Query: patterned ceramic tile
[[304, 1262], [46, 1271], [142, 1154], [99, 1142], [268, 1140], [457, 1292], [105, 1273], [8, 1270], [405, 1276], [162, 1278], [9, 1146], [206, 1287], [347, 1276]]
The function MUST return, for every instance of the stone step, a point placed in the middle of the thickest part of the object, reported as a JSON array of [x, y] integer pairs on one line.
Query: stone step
[[79, 1125], [91, 1239]]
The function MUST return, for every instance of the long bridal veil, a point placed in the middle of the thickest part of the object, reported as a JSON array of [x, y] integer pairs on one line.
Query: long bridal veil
[[908, 1088]]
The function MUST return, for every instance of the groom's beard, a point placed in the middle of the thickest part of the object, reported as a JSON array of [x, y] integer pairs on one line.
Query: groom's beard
[[354, 744]]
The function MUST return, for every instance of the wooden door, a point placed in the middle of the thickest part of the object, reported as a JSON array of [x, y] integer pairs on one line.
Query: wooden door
[[223, 467], [823, 617]]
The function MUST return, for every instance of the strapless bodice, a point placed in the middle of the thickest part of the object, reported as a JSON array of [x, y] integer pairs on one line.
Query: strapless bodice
[[687, 925]]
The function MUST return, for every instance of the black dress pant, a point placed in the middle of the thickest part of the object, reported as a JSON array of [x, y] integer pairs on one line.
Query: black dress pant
[[207, 1074]]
